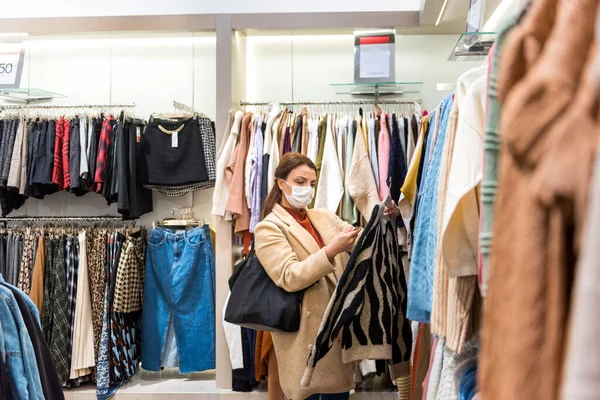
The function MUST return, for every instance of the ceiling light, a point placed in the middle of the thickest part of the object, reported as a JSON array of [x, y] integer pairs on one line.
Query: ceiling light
[[13, 35], [439, 18]]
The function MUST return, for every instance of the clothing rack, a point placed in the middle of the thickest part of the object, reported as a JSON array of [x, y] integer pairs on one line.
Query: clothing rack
[[61, 219], [55, 106], [332, 102], [50, 106]]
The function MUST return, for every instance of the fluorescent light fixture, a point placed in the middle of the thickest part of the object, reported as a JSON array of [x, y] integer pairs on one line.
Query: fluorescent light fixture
[[14, 35], [299, 38], [439, 18], [51, 43]]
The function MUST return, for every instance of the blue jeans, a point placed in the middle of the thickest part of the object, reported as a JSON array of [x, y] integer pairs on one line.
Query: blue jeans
[[179, 287], [338, 396]]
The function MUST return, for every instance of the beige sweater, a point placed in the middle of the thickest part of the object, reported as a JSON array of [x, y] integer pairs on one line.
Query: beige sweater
[[581, 378]]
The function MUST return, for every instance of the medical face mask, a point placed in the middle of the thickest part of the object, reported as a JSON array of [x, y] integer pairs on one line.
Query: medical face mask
[[301, 196]]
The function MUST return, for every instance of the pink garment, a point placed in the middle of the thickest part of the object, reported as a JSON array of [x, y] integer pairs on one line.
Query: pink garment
[[384, 158]]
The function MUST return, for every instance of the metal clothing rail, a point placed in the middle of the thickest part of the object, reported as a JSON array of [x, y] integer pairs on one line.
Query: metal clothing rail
[[62, 219], [50, 106], [332, 102]]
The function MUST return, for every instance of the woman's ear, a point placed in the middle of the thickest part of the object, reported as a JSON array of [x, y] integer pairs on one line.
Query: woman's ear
[[280, 184]]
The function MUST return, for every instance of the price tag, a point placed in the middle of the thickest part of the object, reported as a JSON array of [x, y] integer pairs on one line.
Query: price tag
[[375, 61], [12, 55], [374, 56], [175, 139]]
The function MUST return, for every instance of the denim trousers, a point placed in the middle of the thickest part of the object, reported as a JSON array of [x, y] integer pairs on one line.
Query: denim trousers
[[337, 396], [179, 288]]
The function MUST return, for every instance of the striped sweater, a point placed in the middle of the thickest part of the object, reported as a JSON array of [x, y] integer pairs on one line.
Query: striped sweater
[[368, 307]]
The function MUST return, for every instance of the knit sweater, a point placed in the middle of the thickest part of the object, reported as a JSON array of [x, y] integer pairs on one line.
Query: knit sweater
[[549, 130], [489, 185], [420, 283], [367, 308]]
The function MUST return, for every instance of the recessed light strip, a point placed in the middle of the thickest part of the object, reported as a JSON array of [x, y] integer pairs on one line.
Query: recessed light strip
[[439, 18]]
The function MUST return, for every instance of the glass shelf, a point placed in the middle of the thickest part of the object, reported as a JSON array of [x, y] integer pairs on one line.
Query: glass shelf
[[378, 88], [472, 46], [374, 84], [27, 95]]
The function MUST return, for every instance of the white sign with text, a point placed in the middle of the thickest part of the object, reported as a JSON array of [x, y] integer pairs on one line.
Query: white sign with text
[[11, 63]]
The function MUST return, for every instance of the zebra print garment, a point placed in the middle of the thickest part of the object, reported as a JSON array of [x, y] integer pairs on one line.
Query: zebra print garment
[[368, 307]]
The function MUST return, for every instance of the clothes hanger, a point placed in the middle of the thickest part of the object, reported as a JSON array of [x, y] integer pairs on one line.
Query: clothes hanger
[[182, 217]]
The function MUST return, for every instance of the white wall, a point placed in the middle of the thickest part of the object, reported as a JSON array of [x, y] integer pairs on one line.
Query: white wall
[[79, 8], [150, 70], [303, 67]]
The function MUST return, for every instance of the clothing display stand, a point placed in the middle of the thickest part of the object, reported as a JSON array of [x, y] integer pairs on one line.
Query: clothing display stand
[[330, 102]]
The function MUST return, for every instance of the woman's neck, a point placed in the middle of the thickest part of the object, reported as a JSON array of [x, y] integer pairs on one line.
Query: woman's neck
[[284, 203]]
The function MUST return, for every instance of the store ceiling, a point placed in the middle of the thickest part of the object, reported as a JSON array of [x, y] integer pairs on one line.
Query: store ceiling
[[408, 21], [454, 19]]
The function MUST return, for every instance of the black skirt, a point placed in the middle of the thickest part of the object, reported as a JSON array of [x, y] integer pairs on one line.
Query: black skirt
[[170, 161]]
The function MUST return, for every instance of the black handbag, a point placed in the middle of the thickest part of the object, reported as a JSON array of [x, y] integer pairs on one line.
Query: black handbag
[[257, 303]]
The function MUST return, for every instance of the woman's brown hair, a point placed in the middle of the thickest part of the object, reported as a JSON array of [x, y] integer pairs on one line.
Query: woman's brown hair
[[287, 164]]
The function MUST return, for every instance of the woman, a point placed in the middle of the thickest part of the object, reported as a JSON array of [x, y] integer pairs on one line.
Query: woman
[[304, 249]]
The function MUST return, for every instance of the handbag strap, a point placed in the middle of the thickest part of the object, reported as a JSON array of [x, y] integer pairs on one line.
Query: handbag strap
[[252, 244]]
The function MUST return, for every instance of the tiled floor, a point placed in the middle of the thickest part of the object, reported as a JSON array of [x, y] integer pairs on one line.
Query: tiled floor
[[165, 386]]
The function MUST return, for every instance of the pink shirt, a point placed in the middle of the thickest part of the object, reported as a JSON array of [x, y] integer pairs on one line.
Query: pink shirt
[[384, 158]]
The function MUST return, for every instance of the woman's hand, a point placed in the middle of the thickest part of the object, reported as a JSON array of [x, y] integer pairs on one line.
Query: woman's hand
[[393, 210], [343, 241]]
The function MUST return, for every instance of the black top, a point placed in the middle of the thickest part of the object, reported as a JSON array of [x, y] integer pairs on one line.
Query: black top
[[134, 200]]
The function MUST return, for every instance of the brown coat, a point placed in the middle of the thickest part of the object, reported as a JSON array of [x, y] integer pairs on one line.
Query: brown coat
[[294, 261], [545, 163], [263, 346], [37, 281], [304, 131], [236, 201]]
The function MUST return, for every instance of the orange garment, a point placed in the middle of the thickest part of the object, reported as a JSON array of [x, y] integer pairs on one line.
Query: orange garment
[[420, 361], [264, 346], [37, 281], [247, 242], [301, 218]]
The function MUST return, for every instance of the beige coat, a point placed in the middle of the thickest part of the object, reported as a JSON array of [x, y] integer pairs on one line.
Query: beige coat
[[294, 261]]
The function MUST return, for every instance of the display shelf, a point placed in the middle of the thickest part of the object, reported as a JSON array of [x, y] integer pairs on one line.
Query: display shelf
[[378, 88], [472, 46], [28, 95], [373, 84]]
